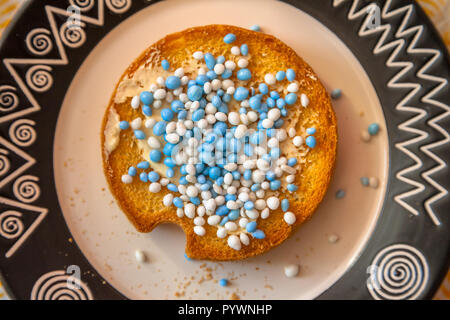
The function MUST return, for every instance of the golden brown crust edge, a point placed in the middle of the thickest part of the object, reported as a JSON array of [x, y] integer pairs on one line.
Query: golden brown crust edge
[[146, 211]]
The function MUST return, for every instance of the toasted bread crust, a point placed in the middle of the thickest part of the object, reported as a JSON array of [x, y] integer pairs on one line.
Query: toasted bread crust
[[145, 210]]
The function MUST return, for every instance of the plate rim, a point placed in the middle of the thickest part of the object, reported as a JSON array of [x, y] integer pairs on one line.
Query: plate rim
[[334, 291]]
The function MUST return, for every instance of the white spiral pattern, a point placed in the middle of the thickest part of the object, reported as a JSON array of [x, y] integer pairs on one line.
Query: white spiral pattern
[[11, 226], [4, 162], [83, 5], [8, 98], [26, 189], [38, 41], [72, 35], [400, 272], [53, 286], [39, 78], [22, 133], [118, 6]]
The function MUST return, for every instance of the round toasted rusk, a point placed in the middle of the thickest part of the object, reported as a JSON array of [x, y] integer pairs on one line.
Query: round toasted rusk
[[266, 55]]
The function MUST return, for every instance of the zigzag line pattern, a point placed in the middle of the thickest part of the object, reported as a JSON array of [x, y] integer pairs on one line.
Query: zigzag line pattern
[[38, 79], [414, 88]]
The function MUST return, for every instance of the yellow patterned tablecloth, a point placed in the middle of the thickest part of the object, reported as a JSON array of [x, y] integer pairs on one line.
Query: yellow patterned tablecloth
[[437, 10]]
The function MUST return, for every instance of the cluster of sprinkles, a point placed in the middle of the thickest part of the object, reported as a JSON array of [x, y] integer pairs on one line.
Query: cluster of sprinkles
[[372, 130], [229, 166]]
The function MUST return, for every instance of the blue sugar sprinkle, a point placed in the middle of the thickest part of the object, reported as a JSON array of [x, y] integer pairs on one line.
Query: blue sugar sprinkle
[[285, 205], [195, 200], [275, 153], [224, 220], [255, 102], [198, 115], [280, 75], [172, 187], [229, 197], [251, 226], [226, 74], [222, 210], [211, 75], [168, 149], [240, 94], [223, 282], [255, 27], [183, 181], [292, 162], [210, 61], [191, 83], [364, 181], [182, 115], [244, 74], [143, 165], [263, 88], [159, 128], [290, 74], [274, 95], [153, 176], [229, 38], [248, 174], [216, 101], [259, 234], [336, 94], [195, 93], [233, 215], [124, 125], [169, 162], [170, 173], [173, 82], [270, 175], [167, 114], [311, 142], [165, 65], [155, 155], [177, 106], [275, 185], [373, 129], [244, 49], [340, 194], [291, 98], [219, 181], [201, 179], [146, 97], [220, 59], [281, 103], [146, 110], [292, 187], [270, 102], [132, 171], [187, 258], [249, 205], [201, 79], [311, 130], [143, 177], [199, 168], [178, 202], [139, 134]]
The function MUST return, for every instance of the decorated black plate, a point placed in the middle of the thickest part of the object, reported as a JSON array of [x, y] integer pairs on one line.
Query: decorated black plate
[[62, 236]]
